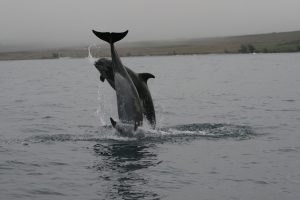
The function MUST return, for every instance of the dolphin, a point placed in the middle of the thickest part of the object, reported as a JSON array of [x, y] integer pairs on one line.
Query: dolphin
[[128, 100], [105, 68]]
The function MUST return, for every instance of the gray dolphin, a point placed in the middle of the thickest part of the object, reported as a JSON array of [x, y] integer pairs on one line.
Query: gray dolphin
[[139, 80], [129, 105]]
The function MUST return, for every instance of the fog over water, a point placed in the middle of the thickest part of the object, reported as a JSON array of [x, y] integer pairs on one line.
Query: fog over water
[[66, 22]]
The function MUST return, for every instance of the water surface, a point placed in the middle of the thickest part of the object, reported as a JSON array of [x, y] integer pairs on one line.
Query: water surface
[[228, 128]]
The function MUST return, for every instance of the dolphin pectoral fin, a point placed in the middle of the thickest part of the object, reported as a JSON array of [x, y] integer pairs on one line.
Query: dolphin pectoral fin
[[145, 76], [102, 78], [110, 37], [113, 122]]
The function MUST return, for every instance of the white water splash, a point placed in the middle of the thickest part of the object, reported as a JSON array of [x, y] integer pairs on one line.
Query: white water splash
[[90, 57], [101, 110], [159, 110]]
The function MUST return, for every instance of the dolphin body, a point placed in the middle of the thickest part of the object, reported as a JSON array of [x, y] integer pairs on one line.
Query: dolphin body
[[129, 105], [105, 68]]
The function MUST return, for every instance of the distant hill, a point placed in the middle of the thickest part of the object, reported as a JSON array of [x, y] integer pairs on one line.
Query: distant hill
[[259, 43], [267, 43]]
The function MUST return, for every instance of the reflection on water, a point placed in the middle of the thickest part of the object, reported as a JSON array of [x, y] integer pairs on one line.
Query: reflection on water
[[121, 166]]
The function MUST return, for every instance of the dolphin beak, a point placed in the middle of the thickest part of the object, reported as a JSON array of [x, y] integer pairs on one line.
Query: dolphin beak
[[102, 78], [113, 122]]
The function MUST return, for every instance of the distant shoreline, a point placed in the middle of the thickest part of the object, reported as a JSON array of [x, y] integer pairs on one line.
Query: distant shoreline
[[283, 42]]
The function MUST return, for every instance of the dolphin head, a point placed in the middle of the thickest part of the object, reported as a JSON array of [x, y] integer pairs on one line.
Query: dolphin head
[[104, 66]]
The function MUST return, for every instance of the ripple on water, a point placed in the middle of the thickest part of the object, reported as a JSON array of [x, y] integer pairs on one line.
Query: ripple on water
[[168, 134], [41, 128], [254, 181], [289, 100], [295, 177], [45, 191], [47, 117]]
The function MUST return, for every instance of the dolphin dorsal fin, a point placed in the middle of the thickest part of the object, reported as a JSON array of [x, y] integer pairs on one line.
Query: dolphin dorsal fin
[[146, 76]]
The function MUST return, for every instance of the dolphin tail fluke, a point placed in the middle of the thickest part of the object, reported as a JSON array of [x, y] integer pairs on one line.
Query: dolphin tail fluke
[[110, 37]]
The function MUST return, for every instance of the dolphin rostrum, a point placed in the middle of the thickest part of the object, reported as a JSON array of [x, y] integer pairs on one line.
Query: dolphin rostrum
[[128, 100], [105, 68]]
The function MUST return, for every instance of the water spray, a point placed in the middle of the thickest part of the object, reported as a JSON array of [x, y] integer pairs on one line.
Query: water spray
[[90, 57]]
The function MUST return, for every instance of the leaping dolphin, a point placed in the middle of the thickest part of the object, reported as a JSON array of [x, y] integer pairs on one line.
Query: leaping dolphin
[[105, 68], [128, 100]]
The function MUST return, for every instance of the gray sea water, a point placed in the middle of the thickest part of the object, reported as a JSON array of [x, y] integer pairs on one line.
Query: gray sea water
[[228, 128]]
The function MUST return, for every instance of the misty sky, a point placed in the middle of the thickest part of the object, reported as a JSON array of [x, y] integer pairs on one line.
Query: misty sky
[[69, 22]]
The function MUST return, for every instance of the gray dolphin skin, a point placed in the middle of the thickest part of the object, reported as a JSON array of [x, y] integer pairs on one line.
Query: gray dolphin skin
[[129, 105], [105, 68]]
